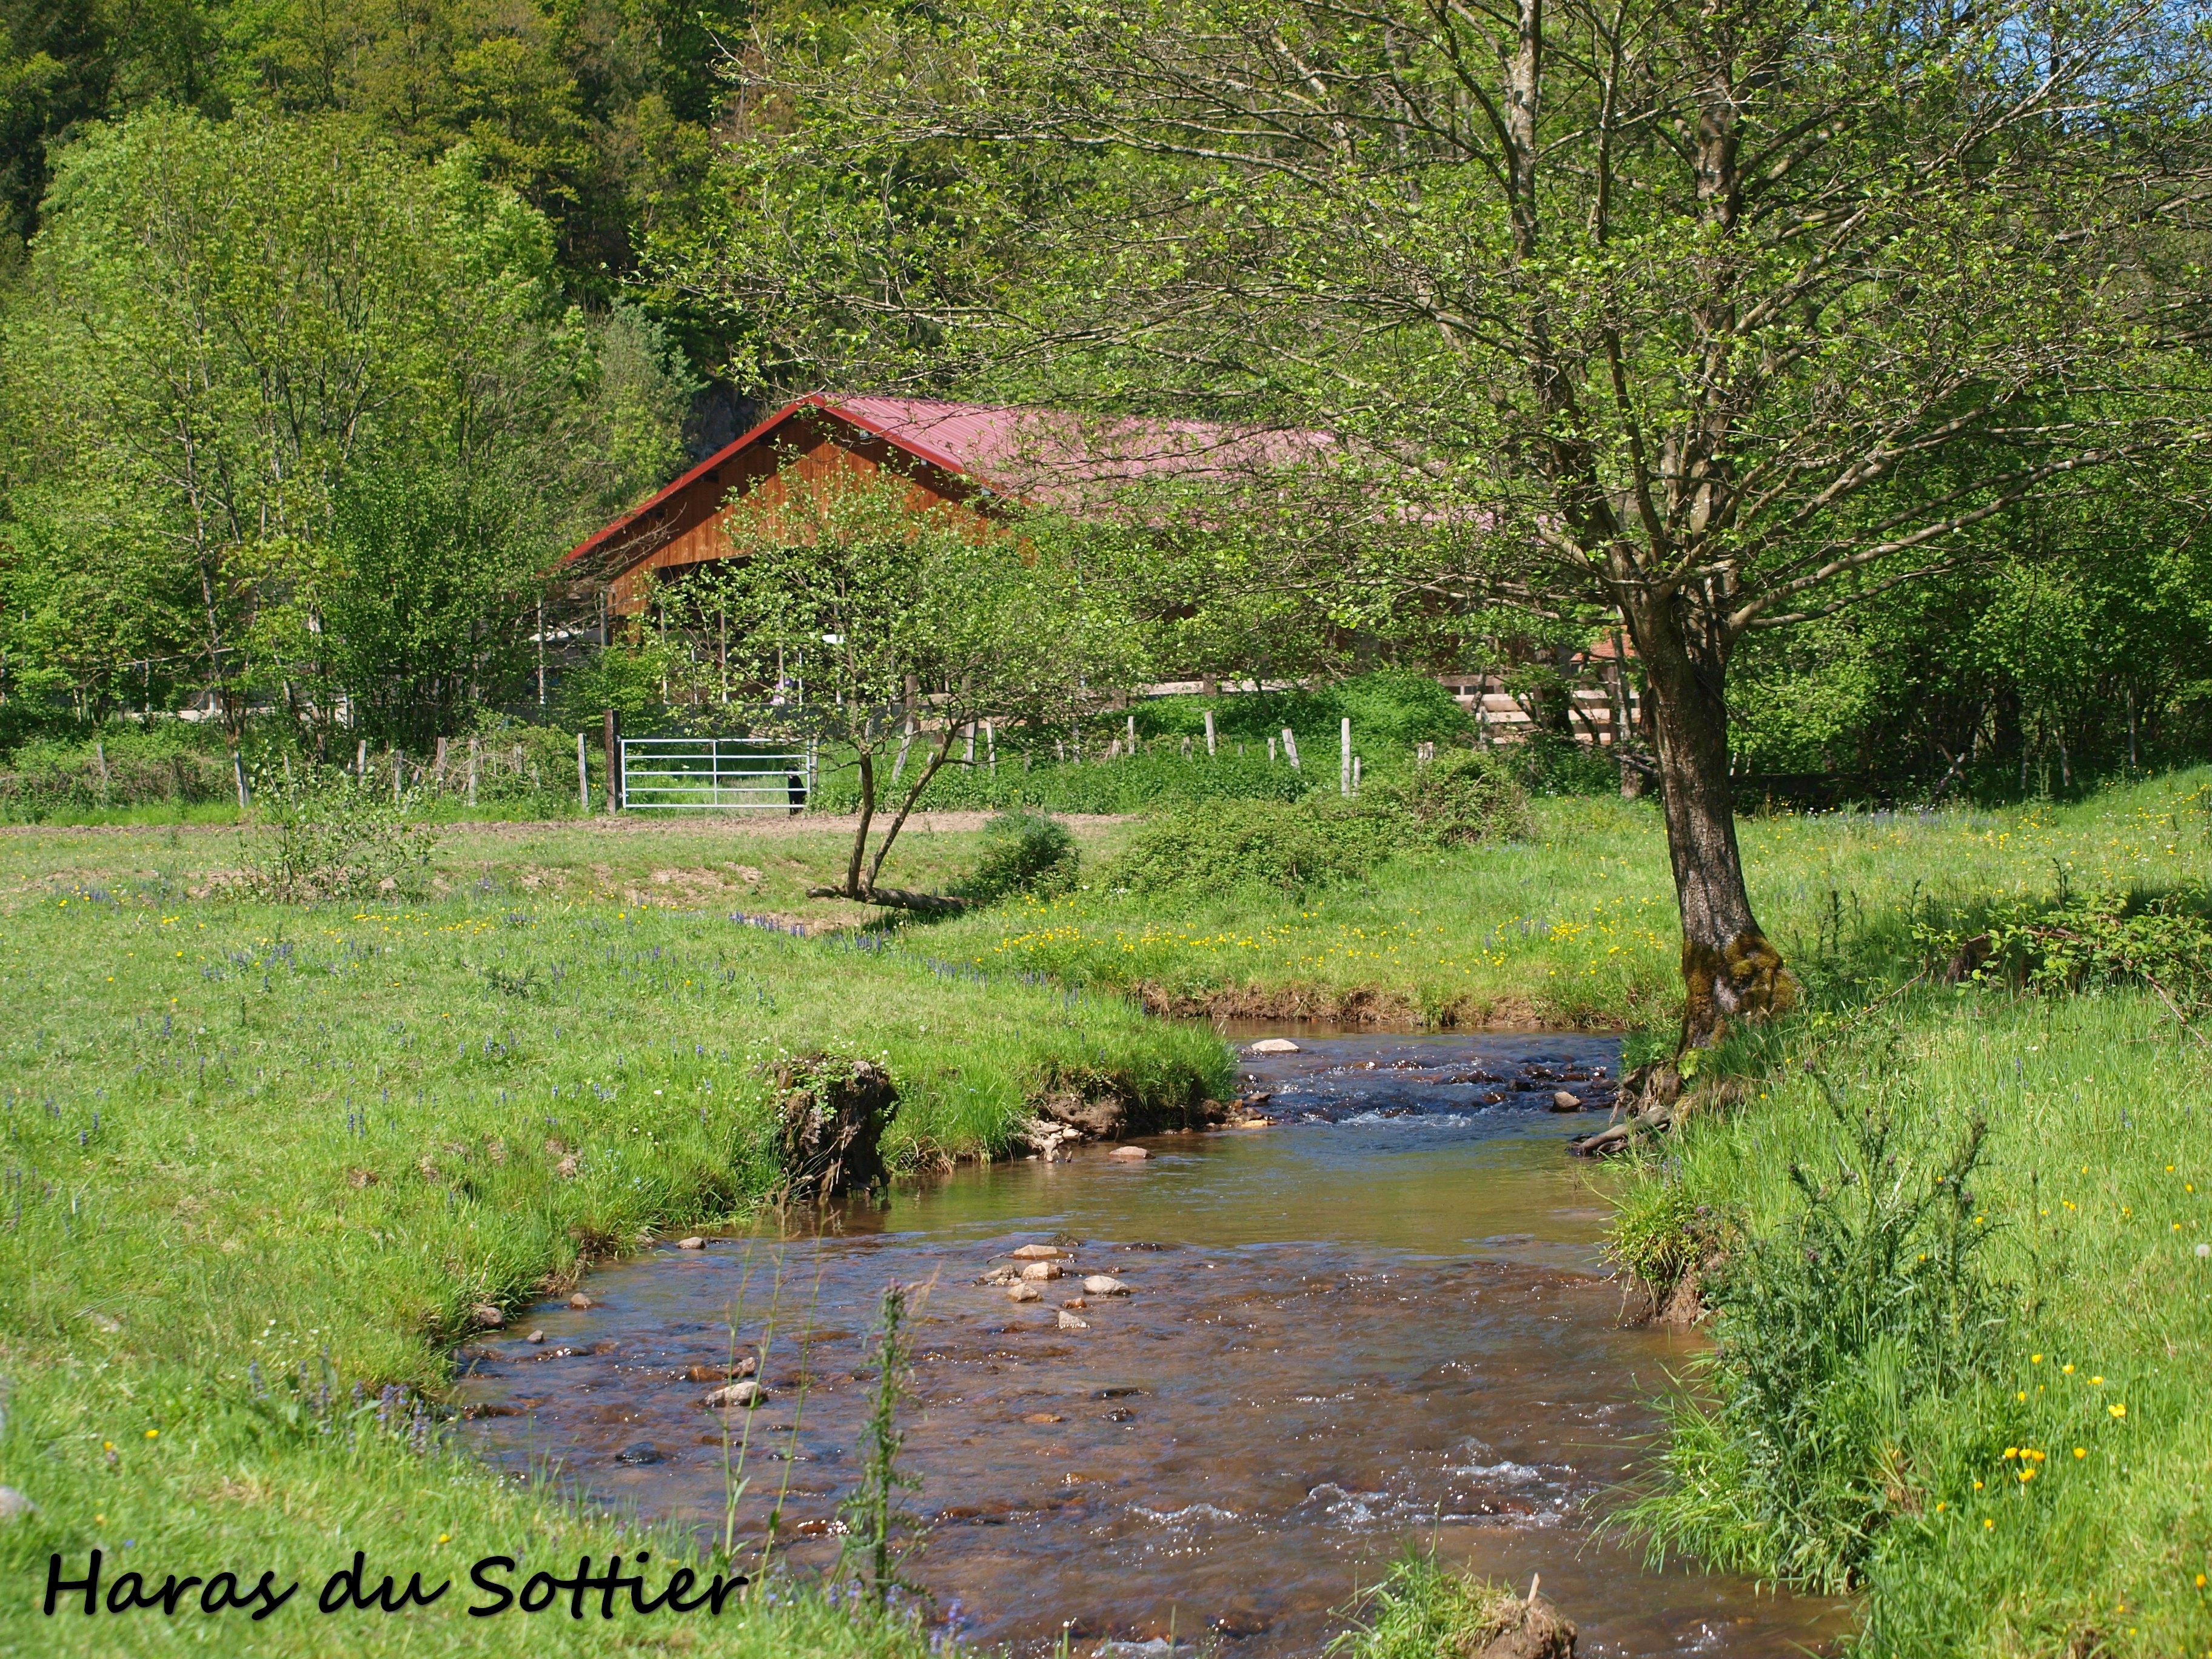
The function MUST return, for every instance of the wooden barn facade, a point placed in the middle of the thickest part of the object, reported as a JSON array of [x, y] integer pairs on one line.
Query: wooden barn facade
[[970, 455]]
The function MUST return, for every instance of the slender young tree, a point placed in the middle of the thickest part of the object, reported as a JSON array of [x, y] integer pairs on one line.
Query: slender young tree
[[887, 623], [1707, 316]]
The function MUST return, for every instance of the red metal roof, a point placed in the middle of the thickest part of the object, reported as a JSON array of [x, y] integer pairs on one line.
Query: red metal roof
[[1037, 454]]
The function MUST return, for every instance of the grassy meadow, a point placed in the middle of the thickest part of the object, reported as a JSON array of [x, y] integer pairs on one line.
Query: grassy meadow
[[263, 1161]]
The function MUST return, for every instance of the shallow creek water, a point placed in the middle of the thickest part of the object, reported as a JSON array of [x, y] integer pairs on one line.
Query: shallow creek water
[[1381, 1319]]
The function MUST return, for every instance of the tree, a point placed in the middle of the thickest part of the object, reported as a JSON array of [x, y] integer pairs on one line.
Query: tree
[[1710, 317], [320, 411], [888, 622]]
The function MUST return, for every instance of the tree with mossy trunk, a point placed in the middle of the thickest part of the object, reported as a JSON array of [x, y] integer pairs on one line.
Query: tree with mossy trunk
[[1691, 317], [864, 612]]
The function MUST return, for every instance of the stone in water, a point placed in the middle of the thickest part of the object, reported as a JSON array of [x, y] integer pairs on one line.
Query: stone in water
[[1038, 1253], [1023, 1293], [1041, 1270], [1274, 1046], [746, 1394], [1102, 1285], [1132, 1153], [1068, 1322]]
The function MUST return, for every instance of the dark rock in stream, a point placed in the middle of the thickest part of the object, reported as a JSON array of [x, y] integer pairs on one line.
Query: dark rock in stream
[[644, 1452]]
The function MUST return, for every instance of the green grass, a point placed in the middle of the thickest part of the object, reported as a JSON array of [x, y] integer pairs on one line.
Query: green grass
[[211, 1218], [2094, 1192], [1575, 924], [241, 1140]]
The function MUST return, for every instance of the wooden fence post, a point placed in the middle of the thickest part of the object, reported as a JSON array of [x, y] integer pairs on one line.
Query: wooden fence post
[[1290, 749], [1344, 758], [614, 762], [583, 777], [1209, 733]]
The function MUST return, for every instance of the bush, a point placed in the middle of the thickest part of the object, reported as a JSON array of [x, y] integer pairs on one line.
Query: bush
[[337, 837], [2081, 943], [1264, 844], [1861, 1314], [1461, 798], [122, 767], [1023, 852], [1391, 710]]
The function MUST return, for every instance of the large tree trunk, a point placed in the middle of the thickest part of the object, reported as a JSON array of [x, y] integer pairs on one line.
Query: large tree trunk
[[1729, 969]]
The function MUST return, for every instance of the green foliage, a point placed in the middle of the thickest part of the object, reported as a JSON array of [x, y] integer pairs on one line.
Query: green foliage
[[1286, 848], [296, 419], [1461, 798], [1391, 711], [125, 766], [1423, 1609], [1659, 1230], [882, 1531], [2081, 942], [1024, 853], [337, 837], [1838, 1325]]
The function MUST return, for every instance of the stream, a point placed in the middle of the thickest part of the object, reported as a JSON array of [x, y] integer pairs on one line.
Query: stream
[[1381, 1319]]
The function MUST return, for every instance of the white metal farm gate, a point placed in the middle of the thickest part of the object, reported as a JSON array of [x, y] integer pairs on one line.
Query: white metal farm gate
[[716, 775]]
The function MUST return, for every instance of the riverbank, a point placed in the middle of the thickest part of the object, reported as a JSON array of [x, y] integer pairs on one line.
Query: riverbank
[[259, 1153], [1977, 1396], [266, 1165]]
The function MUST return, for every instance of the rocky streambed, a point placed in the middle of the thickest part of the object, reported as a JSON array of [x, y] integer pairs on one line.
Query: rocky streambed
[[1202, 1394]]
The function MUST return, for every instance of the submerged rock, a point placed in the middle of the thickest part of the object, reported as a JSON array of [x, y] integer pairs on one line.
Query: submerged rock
[[1131, 1152], [1038, 1252], [1069, 1321]]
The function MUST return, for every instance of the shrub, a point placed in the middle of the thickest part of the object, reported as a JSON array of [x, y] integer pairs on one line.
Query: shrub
[[1023, 852], [2080, 943], [1462, 797], [1265, 844], [1861, 1312], [122, 767], [337, 837]]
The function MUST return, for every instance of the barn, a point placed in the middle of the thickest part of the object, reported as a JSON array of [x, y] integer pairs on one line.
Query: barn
[[973, 455], [967, 455]]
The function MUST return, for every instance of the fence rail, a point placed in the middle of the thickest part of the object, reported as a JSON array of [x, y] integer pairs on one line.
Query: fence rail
[[716, 775]]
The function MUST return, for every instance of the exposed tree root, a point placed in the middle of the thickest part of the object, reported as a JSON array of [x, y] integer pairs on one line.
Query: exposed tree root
[[896, 898]]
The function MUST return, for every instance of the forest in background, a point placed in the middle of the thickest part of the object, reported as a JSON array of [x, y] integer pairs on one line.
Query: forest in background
[[427, 304]]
